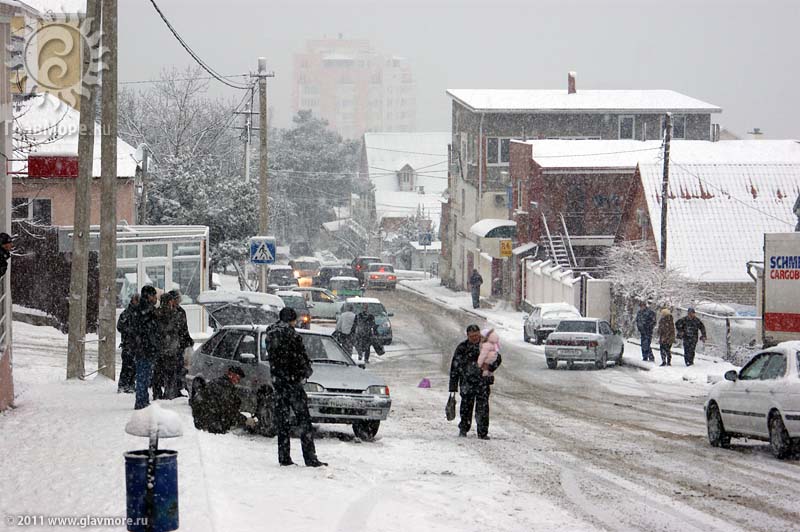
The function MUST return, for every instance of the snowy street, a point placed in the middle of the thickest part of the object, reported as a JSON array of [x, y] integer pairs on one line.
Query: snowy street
[[570, 450]]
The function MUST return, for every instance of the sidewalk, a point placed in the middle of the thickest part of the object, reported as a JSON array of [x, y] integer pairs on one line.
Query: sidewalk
[[509, 322]]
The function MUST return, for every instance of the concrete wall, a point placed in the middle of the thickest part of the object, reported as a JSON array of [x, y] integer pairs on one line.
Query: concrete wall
[[598, 299], [545, 283], [61, 192]]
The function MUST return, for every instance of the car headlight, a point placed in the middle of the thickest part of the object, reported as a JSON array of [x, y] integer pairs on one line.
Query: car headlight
[[313, 387], [378, 390]]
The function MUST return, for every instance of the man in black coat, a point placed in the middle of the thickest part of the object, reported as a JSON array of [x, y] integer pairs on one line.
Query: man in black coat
[[125, 326], [184, 341], [145, 344], [217, 407], [364, 332], [689, 328], [5, 252], [290, 367], [475, 282], [645, 323], [466, 375]]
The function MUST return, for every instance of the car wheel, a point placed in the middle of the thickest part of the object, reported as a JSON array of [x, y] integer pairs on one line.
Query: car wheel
[[717, 436], [602, 361], [552, 363], [265, 412], [778, 436], [366, 430]]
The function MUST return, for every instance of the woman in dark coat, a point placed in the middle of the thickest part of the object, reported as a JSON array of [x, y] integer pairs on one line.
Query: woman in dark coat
[[666, 336]]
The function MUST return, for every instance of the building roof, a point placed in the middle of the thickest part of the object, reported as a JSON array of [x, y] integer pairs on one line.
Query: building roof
[[718, 213], [426, 153], [57, 6], [559, 101], [390, 204], [44, 125]]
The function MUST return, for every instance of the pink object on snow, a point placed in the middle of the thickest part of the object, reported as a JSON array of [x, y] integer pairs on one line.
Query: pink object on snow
[[424, 383]]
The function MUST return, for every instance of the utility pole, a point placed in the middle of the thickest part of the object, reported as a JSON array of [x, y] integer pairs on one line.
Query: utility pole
[[143, 196], [80, 232], [247, 124], [263, 160], [107, 316], [665, 190]]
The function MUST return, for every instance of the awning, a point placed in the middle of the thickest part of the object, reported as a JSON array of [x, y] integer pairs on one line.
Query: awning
[[494, 228]]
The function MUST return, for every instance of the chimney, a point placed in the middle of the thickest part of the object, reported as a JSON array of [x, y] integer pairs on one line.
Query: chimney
[[571, 83]]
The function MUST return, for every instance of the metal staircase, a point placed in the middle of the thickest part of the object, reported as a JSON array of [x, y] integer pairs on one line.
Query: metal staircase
[[559, 247]]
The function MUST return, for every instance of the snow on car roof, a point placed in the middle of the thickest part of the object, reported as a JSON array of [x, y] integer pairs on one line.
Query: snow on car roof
[[343, 278], [485, 226], [287, 293], [363, 300], [233, 296], [280, 267]]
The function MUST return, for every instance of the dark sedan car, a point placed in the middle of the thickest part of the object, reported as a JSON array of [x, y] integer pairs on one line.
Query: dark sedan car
[[326, 273]]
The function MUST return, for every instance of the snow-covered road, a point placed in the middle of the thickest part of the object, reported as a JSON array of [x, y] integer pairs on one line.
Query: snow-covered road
[[570, 450]]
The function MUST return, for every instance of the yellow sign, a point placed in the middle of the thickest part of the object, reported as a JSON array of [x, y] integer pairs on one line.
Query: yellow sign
[[505, 248]]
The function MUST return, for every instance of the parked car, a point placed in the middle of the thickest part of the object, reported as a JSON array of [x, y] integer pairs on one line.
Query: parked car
[[344, 287], [544, 318], [280, 277], [339, 391], [326, 273], [304, 269], [297, 302], [380, 275], [233, 307], [376, 308], [584, 340], [360, 265], [760, 401], [323, 303]]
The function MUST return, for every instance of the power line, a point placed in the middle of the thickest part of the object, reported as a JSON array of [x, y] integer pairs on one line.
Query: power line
[[196, 78], [216, 75], [592, 154], [404, 151]]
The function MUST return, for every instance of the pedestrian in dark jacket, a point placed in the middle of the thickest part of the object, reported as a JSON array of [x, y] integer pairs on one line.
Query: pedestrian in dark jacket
[[645, 323], [364, 332], [5, 252], [164, 365], [690, 329], [467, 376], [184, 341], [290, 367], [217, 405], [666, 336], [475, 282], [125, 326], [145, 344]]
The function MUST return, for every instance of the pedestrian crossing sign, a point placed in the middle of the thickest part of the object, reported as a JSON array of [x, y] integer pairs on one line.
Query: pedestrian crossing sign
[[262, 250]]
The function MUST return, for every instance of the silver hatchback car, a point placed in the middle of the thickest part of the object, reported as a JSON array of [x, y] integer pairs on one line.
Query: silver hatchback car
[[584, 340], [339, 391]]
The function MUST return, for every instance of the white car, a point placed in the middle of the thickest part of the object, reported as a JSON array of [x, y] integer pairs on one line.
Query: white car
[[322, 302], [761, 401], [584, 340], [544, 318]]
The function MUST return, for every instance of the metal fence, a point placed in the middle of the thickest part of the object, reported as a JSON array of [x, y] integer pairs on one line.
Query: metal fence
[[732, 338]]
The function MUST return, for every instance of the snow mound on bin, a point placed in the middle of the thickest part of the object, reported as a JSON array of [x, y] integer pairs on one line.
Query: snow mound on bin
[[154, 420]]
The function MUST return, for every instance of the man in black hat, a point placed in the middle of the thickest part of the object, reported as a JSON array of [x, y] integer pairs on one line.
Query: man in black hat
[[216, 406], [290, 367], [5, 252], [689, 329]]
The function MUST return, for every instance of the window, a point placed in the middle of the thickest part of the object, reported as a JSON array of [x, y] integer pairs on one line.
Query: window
[[605, 328], [186, 278], [626, 126], [227, 347], [127, 251], [247, 346], [321, 297], [212, 343], [678, 127], [154, 250], [752, 370], [41, 211], [775, 367], [155, 275], [497, 150], [464, 148], [19, 208], [127, 284]]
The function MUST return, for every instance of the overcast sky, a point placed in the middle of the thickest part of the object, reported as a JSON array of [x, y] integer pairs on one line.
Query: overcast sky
[[739, 54]]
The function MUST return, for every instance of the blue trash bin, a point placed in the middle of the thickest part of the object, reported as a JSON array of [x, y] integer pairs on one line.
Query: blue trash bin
[[165, 493]]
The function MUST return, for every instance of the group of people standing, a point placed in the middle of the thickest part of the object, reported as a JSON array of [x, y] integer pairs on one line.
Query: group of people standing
[[689, 328], [359, 331], [154, 339]]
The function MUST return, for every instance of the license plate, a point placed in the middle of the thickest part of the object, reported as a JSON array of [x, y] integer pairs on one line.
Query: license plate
[[340, 404], [568, 351]]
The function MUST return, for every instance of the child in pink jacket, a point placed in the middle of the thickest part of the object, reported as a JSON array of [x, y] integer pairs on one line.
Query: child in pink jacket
[[490, 347]]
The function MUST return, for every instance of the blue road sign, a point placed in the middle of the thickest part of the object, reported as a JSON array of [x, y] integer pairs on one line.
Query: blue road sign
[[425, 238], [262, 250]]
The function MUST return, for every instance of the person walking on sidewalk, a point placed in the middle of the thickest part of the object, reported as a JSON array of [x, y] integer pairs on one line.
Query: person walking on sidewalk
[[689, 328], [290, 367], [475, 282], [645, 322], [666, 336], [467, 377], [127, 375], [145, 344]]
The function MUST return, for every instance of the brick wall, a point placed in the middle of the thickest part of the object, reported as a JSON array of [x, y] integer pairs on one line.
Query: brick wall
[[742, 293]]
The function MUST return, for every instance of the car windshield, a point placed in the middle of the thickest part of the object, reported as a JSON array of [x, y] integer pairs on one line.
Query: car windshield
[[280, 275], [325, 349], [577, 326], [309, 265], [381, 268], [295, 302]]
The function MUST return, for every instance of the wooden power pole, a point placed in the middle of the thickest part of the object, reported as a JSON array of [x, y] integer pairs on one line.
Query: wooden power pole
[[107, 315], [263, 160], [665, 190], [80, 232]]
